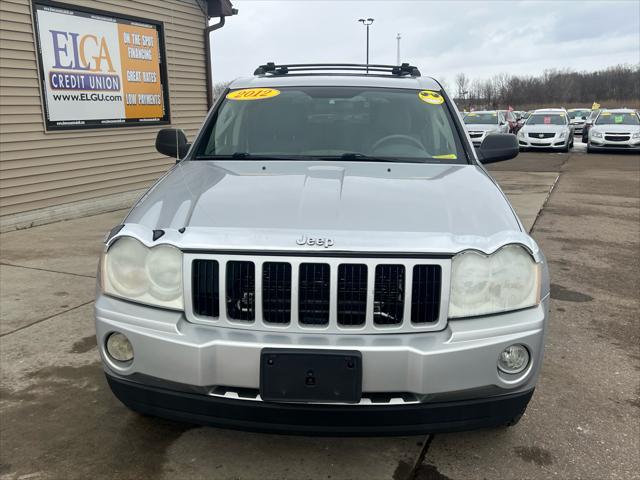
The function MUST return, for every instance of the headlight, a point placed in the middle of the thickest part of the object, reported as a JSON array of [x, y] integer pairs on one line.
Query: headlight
[[636, 135], [147, 275], [507, 280], [596, 134], [521, 132], [563, 134]]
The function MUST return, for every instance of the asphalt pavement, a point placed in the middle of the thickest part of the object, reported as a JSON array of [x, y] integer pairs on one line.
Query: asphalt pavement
[[58, 419]]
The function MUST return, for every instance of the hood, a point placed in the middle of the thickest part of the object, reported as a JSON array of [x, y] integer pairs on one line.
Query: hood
[[616, 128], [233, 203], [481, 127], [545, 128]]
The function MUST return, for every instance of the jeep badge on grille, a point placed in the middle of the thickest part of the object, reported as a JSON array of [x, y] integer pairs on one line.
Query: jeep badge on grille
[[315, 241]]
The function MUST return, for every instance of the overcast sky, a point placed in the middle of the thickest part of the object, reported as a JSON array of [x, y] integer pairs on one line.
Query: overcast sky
[[479, 38]]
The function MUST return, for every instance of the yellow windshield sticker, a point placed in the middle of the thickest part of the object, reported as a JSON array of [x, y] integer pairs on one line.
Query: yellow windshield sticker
[[253, 94], [448, 156], [605, 114], [429, 96]]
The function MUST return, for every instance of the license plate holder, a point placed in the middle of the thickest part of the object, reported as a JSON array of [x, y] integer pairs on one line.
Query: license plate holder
[[297, 375]]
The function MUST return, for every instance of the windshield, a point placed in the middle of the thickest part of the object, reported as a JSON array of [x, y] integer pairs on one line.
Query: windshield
[[348, 123], [547, 119], [490, 118], [612, 118], [573, 114]]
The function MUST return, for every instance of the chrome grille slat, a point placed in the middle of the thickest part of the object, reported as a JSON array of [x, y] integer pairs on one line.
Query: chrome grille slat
[[341, 295]]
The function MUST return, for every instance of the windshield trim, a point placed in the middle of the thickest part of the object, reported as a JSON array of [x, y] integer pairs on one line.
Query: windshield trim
[[464, 155], [613, 114]]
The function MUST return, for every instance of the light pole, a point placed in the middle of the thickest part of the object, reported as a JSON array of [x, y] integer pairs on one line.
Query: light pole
[[367, 22], [398, 51]]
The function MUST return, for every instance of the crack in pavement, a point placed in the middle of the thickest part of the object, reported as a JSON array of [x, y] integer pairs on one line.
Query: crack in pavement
[[44, 319], [420, 460], [46, 270], [546, 200]]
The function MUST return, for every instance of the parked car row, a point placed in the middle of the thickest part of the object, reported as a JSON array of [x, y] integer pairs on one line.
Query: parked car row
[[556, 128]]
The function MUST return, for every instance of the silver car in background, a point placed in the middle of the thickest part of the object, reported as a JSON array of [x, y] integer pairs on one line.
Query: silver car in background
[[329, 256], [577, 118], [617, 129], [482, 123], [547, 128]]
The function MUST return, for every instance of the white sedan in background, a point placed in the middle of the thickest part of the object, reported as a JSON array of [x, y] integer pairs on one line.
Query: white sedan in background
[[615, 130], [547, 128], [480, 124]]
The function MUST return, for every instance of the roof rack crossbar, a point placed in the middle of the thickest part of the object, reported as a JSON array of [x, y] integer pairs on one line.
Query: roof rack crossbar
[[271, 68]]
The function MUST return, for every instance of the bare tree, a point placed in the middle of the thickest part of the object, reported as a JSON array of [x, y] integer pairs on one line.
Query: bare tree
[[219, 88], [616, 86], [462, 85]]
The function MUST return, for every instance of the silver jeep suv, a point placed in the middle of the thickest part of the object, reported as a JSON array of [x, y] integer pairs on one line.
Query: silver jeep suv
[[328, 257]]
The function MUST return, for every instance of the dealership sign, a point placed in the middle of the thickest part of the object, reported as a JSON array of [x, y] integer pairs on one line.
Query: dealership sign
[[98, 69]]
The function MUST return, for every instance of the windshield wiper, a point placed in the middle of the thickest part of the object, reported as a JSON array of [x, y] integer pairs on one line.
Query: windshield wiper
[[348, 156], [361, 157], [246, 156]]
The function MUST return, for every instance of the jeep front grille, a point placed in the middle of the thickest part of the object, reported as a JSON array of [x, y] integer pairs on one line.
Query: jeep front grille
[[425, 297], [388, 297], [204, 282], [241, 291], [314, 288], [333, 294], [352, 294], [276, 292]]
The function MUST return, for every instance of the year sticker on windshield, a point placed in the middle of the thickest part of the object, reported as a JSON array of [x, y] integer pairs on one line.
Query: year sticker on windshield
[[429, 96], [253, 94]]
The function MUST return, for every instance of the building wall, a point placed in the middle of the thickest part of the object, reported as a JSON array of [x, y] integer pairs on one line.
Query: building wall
[[48, 176]]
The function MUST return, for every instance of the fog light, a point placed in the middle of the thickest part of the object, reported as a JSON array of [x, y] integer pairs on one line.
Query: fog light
[[513, 359], [119, 347]]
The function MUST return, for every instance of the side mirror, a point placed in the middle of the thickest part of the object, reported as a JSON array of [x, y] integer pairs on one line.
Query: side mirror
[[172, 142], [497, 147]]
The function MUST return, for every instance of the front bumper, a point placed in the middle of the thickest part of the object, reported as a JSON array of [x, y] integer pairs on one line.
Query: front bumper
[[604, 144], [553, 142], [306, 419], [457, 363]]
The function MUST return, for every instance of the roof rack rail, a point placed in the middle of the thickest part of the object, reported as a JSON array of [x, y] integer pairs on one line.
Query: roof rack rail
[[271, 68]]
